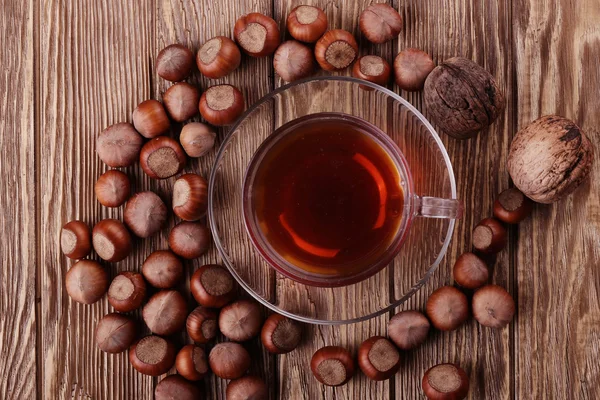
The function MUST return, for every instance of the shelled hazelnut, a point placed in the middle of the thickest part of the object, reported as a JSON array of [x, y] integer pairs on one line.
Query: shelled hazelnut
[[221, 104], [493, 306], [445, 382], [307, 23], [447, 308], [145, 214], [218, 57], [127, 291], [86, 281], [190, 197], [512, 206], [150, 119], [373, 69], [111, 240], [181, 101], [165, 313], [119, 145], [280, 334], [332, 365], [380, 23], [174, 63], [112, 188], [197, 139], [229, 360], [162, 269], [76, 240], [408, 329], [212, 286], [378, 358], [189, 239], [257, 34], [191, 362], [293, 60], [115, 333], [162, 157], [201, 325], [411, 69], [336, 50], [470, 271], [174, 387], [152, 355], [240, 321], [246, 388], [489, 236]]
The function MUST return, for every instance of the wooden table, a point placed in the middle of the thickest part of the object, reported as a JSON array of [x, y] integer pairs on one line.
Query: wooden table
[[72, 67]]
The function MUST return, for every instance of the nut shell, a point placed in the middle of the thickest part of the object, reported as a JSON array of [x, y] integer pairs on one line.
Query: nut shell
[[76, 240], [221, 104], [373, 69], [152, 355], [150, 119], [212, 286], [512, 206], [240, 321], [462, 97], [163, 269], [162, 157], [470, 271], [165, 313], [336, 50], [191, 363], [380, 23], [408, 329], [174, 63], [174, 387], [181, 101], [489, 236], [411, 69], [293, 60], [247, 388], [127, 291], [332, 365], [115, 333], [197, 139], [445, 382], [218, 57], [190, 197], [307, 23], [201, 325], [550, 158], [189, 239], [378, 358], [280, 334], [145, 214], [257, 34], [493, 306], [112, 188], [86, 281], [229, 360], [111, 240], [447, 308], [119, 145]]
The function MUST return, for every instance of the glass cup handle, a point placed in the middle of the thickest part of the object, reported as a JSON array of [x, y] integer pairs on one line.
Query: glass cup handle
[[434, 207]]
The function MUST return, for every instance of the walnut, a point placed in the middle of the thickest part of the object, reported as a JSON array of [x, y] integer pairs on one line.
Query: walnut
[[462, 97], [549, 158]]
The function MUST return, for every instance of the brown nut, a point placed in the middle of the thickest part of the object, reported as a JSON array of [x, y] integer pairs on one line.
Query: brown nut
[[257, 34], [119, 145], [229, 360], [247, 388], [191, 363], [380, 23], [240, 321], [201, 325], [489, 236], [221, 104], [550, 158], [174, 387], [190, 197], [163, 269], [197, 139], [445, 382], [218, 57], [411, 69], [512, 206], [189, 239], [150, 119], [378, 358], [76, 240], [165, 313], [111, 240], [152, 355], [115, 333], [181, 101], [332, 365], [408, 329], [493, 306], [174, 63], [127, 291], [293, 60], [470, 271], [162, 157], [280, 334], [86, 281], [145, 214], [112, 188], [462, 97], [336, 50], [307, 23], [373, 69], [212, 286], [447, 308]]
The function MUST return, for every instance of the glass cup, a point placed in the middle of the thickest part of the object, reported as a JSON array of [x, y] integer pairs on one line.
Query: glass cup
[[418, 247]]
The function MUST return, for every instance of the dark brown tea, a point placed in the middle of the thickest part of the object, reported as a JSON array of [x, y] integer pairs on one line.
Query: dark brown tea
[[327, 196]]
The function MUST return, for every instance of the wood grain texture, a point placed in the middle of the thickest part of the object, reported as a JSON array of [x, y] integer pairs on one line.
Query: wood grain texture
[[18, 248], [557, 333]]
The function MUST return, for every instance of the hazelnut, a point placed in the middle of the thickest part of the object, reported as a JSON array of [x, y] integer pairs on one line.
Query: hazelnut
[[119, 145], [218, 57], [493, 306], [378, 358], [373, 69], [150, 119], [240, 321], [190, 197], [447, 308], [380, 23], [76, 240], [165, 312], [201, 325], [470, 271], [145, 214], [229, 360], [336, 50], [332, 365], [408, 329], [307, 23], [293, 60], [212, 286], [152, 355], [86, 281], [162, 157], [112, 188], [247, 388], [221, 104], [189, 239], [181, 101], [174, 387], [115, 333], [257, 34], [111, 240], [512, 206], [445, 382], [191, 363], [163, 269], [197, 139], [489, 236], [411, 69], [550, 158], [127, 291], [462, 97], [280, 334], [174, 63]]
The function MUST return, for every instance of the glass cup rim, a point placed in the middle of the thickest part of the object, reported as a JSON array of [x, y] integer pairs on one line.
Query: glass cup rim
[[223, 150]]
